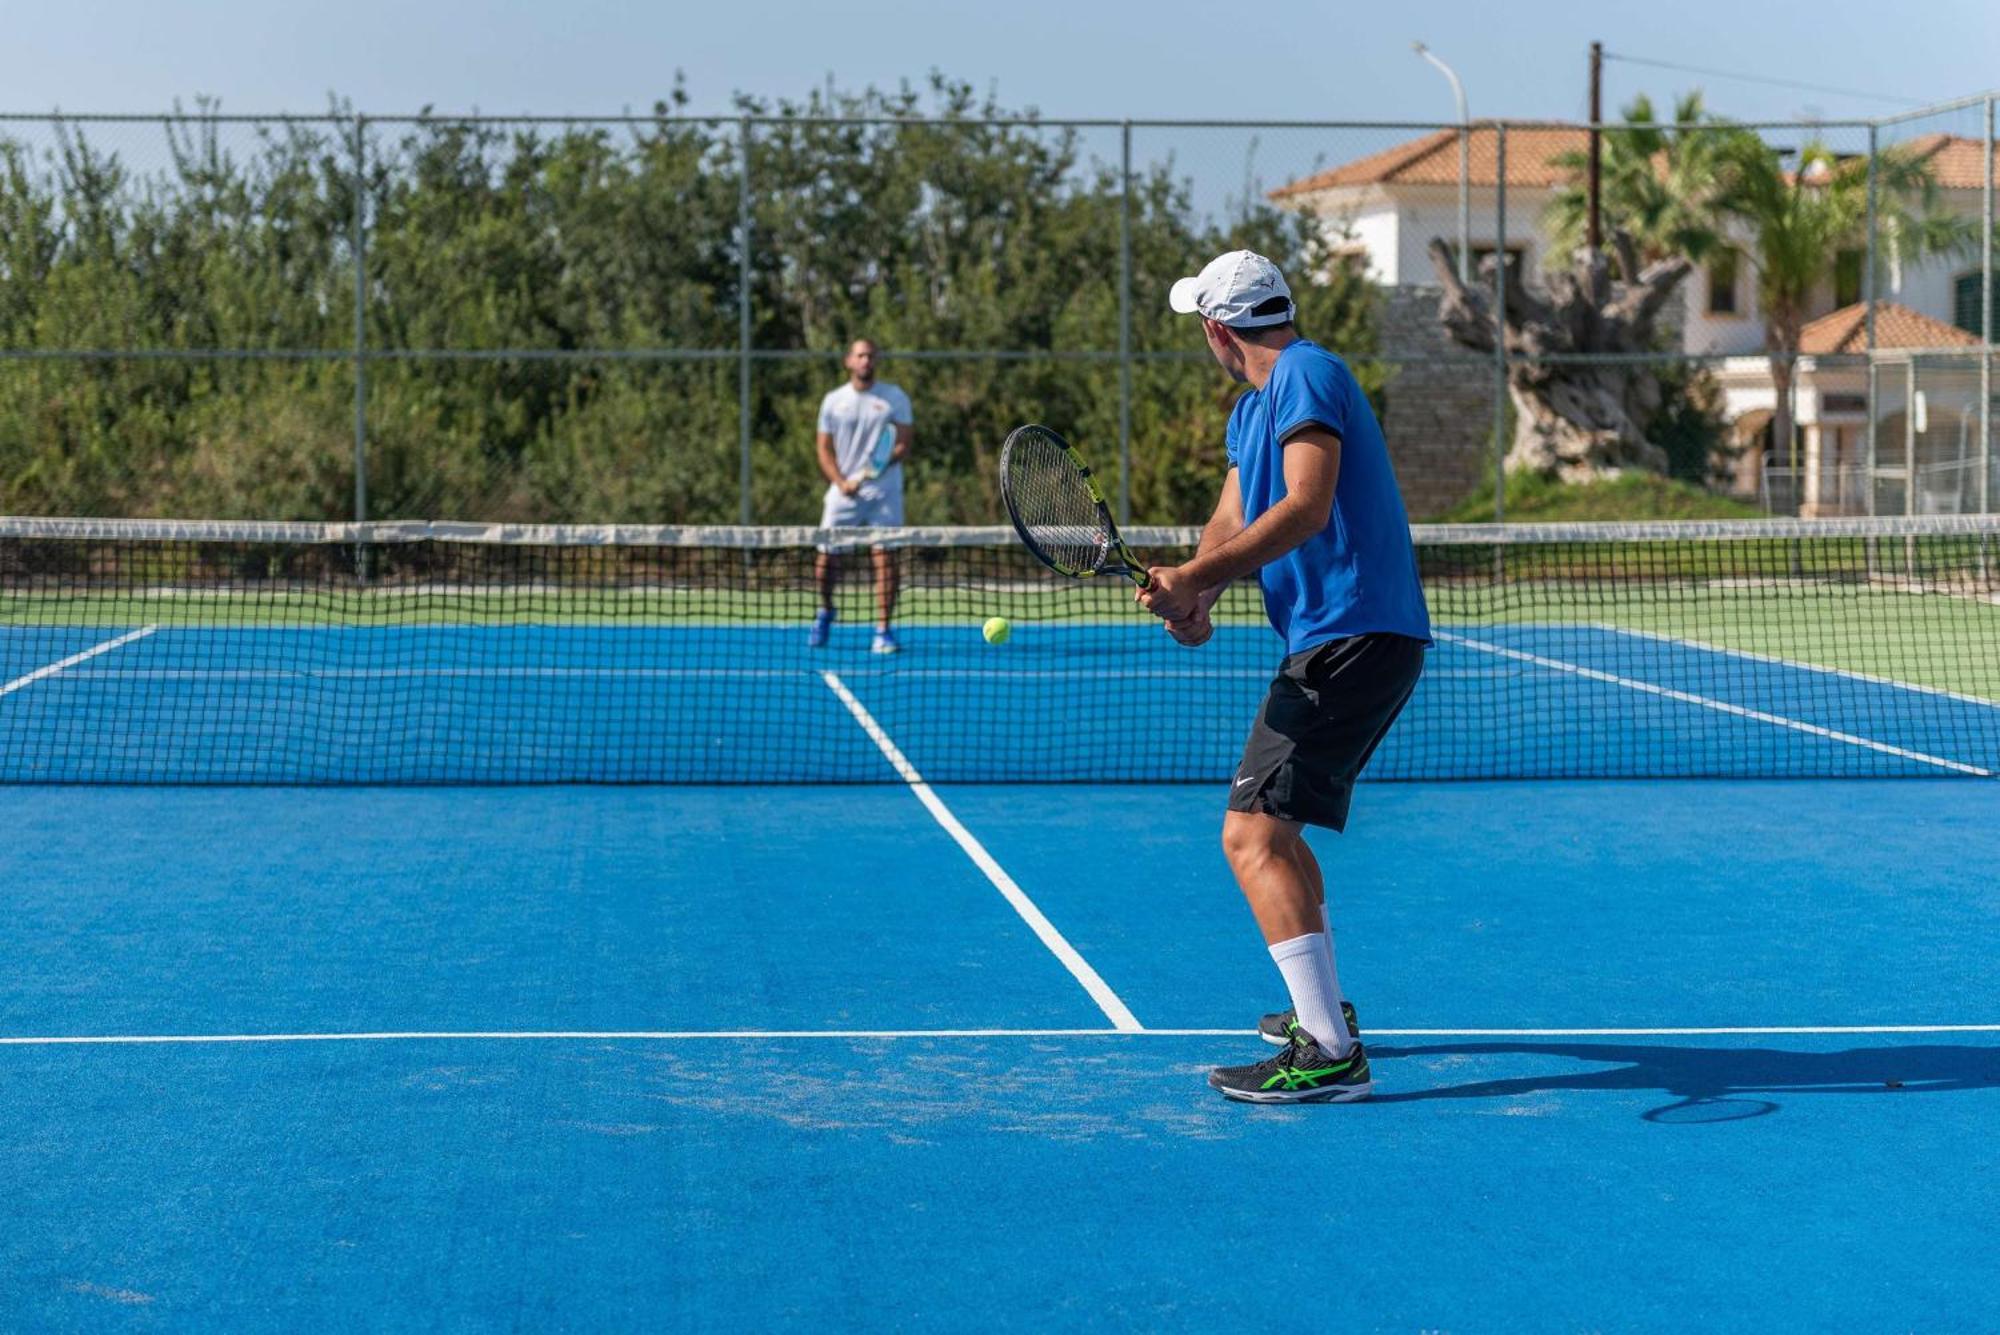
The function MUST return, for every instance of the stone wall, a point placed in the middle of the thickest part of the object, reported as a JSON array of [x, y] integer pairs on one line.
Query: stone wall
[[1438, 416]]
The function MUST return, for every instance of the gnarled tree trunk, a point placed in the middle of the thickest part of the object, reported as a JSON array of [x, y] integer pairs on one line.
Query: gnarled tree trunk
[[1577, 421]]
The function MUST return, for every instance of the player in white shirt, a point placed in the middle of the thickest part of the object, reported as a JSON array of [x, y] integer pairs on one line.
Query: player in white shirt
[[853, 421]]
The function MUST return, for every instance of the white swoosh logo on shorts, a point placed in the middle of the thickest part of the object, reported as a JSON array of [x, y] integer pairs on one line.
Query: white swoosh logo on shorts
[[1251, 778]]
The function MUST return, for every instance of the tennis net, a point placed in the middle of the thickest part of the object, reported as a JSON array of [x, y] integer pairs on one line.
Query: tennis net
[[171, 652]]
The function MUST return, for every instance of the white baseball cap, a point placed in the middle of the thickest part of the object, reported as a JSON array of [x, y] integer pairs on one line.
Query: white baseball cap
[[1229, 287]]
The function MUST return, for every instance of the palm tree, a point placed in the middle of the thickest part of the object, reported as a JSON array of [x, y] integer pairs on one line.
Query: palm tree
[[1801, 218], [1660, 184]]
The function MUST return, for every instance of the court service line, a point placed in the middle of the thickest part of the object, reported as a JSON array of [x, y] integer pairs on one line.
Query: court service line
[[1705, 702], [741, 1035], [1848, 673], [52, 669], [1100, 991]]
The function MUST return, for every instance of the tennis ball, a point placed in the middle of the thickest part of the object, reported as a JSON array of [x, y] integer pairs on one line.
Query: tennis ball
[[997, 629]]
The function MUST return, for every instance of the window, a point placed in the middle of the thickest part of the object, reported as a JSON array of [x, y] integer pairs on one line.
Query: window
[[1722, 283], [1847, 278], [1966, 309]]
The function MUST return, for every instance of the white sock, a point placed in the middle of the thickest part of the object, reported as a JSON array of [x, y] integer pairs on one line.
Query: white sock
[[1326, 928], [1307, 965]]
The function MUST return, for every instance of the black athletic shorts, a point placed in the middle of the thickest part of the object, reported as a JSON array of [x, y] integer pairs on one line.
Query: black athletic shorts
[[1327, 711]]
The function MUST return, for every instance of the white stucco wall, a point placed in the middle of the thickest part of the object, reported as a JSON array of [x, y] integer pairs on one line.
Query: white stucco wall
[[1394, 225]]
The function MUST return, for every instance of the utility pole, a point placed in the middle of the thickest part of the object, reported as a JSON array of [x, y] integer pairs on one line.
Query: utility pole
[[1596, 145]]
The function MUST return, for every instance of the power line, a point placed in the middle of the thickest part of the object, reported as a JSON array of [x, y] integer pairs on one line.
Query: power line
[[1764, 79]]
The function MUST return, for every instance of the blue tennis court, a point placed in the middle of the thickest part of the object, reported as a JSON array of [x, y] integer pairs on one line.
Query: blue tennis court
[[726, 1058], [710, 1056]]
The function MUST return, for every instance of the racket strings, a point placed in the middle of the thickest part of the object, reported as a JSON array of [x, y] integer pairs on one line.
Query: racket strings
[[1053, 503]]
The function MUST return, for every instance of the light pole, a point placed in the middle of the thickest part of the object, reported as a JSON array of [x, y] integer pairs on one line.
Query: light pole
[[1464, 163]]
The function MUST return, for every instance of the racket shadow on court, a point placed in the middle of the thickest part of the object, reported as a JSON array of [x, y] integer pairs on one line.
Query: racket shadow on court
[[1705, 1084]]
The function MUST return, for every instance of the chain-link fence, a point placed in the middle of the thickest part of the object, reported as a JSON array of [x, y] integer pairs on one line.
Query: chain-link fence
[[635, 319]]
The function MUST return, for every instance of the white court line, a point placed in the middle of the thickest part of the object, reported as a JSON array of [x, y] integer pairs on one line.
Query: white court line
[[53, 668], [1100, 991], [953, 674], [1802, 666], [743, 1035], [1720, 706], [368, 674]]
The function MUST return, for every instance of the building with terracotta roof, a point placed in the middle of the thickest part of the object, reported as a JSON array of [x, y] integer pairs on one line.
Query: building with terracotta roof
[[1385, 208], [1927, 415]]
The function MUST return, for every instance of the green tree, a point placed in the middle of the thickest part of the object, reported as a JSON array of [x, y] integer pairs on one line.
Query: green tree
[[551, 310], [1660, 185]]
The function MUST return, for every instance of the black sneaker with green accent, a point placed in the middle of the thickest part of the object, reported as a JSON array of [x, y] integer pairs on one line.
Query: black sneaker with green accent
[[1272, 1027], [1302, 1072]]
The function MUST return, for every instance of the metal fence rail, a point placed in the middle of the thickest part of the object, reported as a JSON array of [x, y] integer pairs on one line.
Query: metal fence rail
[[1918, 439]]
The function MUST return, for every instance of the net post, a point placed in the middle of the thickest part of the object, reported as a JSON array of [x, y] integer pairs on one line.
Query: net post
[[743, 509], [358, 247]]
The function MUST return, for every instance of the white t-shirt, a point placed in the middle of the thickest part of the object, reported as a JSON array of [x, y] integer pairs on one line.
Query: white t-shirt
[[855, 418]]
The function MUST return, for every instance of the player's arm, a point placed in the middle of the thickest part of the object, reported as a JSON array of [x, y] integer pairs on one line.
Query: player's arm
[[823, 443], [1312, 468], [1224, 524], [906, 436]]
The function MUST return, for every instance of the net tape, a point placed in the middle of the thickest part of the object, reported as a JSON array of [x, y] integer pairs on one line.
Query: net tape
[[396, 531]]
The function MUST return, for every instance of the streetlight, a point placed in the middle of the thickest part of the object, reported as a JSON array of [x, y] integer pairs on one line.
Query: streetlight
[[1464, 163]]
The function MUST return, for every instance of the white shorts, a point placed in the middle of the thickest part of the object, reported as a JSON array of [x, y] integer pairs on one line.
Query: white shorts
[[873, 506]]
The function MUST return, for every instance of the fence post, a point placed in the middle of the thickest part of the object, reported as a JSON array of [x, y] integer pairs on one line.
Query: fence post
[[1868, 443], [1500, 325], [1986, 326], [743, 322], [1125, 326], [358, 245]]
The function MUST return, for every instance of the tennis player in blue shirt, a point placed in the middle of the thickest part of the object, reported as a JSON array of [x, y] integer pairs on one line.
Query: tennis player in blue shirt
[[1310, 507]]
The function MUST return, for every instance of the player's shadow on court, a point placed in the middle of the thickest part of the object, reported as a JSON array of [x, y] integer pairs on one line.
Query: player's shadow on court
[[1706, 1084]]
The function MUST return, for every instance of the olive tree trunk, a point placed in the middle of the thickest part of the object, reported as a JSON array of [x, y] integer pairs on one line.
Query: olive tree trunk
[[1576, 421]]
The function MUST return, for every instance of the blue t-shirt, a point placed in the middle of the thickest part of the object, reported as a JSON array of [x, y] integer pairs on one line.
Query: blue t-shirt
[[1359, 573]]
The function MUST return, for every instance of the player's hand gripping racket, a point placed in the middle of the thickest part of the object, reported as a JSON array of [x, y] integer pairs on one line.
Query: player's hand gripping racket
[[1058, 510], [880, 457]]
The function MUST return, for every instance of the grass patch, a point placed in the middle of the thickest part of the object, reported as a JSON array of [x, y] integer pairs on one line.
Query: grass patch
[[1531, 497]]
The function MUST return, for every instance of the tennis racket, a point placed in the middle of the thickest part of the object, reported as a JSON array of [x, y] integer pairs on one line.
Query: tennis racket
[[879, 457], [1059, 511]]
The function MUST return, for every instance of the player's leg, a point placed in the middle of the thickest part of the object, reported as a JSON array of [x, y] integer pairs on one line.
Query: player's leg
[[837, 511], [1318, 1061], [1264, 853], [1276, 1026], [885, 586], [1309, 868], [826, 575], [883, 507]]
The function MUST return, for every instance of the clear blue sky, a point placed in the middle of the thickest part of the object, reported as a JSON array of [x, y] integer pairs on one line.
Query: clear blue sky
[[1160, 58]]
